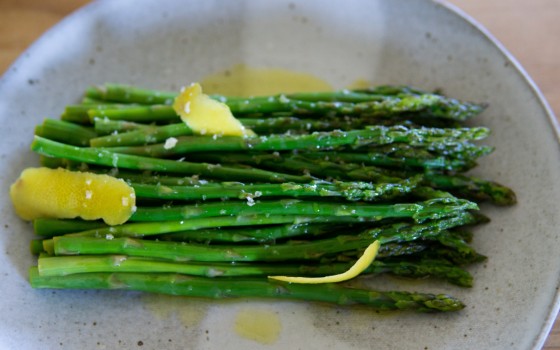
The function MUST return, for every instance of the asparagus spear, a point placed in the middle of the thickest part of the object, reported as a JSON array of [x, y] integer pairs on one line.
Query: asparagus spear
[[78, 114], [68, 265], [176, 284], [141, 134], [437, 105], [70, 133], [351, 191], [105, 127], [379, 135], [130, 176], [473, 187], [130, 94], [470, 187], [145, 135], [382, 159], [420, 211], [139, 114], [143, 229], [48, 227], [111, 243], [264, 234], [107, 158]]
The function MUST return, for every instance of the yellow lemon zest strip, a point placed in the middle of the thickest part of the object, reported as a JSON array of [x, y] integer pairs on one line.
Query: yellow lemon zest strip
[[206, 116], [363, 263]]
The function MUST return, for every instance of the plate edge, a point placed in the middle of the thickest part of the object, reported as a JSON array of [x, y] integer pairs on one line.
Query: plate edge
[[542, 336]]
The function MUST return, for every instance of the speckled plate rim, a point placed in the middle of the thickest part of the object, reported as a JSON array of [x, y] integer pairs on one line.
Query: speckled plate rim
[[539, 341], [548, 322]]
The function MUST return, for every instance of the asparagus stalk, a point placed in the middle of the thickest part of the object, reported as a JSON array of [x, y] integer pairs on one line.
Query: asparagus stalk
[[139, 114], [381, 159], [142, 134], [107, 158], [469, 187], [430, 209], [62, 131], [130, 94], [299, 164], [372, 104], [130, 176], [145, 135], [473, 188], [461, 247], [105, 127], [78, 114], [174, 251], [49, 227], [352, 191], [144, 229], [378, 135], [177, 284], [68, 265], [265, 234], [111, 243]]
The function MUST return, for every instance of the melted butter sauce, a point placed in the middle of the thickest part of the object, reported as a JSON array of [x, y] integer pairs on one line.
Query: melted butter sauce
[[244, 81], [262, 326], [190, 312]]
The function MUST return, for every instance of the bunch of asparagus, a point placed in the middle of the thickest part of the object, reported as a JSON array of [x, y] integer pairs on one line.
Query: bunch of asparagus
[[327, 175]]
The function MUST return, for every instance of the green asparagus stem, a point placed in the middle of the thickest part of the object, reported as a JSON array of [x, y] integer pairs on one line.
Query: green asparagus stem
[[421, 211], [61, 131], [48, 227], [352, 191], [455, 257], [146, 135], [144, 229], [383, 160], [110, 243], [297, 164], [130, 94], [142, 134], [473, 188], [264, 234], [130, 176], [105, 127], [107, 158], [36, 246], [426, 268], [139, 114], [463, 186], [73, 245], [407, 232], [68, 265], [378, 135], [438, 106], [78, 114], [177, 284], [458, 244]]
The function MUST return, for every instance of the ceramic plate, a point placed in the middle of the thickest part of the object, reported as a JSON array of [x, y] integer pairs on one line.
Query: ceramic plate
[[167, 44]]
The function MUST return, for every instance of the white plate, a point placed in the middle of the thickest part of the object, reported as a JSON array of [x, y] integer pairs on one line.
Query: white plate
[[166, 44]]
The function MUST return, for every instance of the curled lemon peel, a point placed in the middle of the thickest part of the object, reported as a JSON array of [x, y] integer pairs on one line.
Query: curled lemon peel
[[359, 266], [206, 116]]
